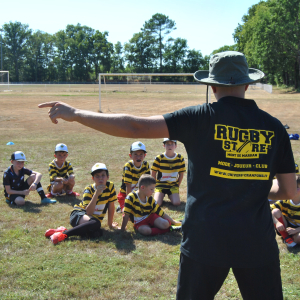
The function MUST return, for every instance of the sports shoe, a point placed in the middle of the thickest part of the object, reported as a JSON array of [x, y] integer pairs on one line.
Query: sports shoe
[[175, 228], [119, 210], [73, 194], [289, 241], [47, 201], [49, 232], [57, 237], [286, 126], [49, 195]]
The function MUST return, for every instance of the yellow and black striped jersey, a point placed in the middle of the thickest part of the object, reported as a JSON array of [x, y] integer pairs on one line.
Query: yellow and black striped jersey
[[131, 174], [139, 210], [168, 170], [108, 195], [289, 209], [65, 170]]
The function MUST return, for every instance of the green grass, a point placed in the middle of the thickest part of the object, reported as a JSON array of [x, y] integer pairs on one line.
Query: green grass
[[115, 266]]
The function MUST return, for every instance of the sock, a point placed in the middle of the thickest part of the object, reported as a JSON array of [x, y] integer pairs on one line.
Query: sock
[[157, 231], [122, 203], [284, 234], [40, 190], [88, 229]]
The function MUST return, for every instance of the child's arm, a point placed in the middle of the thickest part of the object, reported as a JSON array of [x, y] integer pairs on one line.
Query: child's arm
[[91, 206], [286, 188], [38, 177], [13, 192], [180, 177], [279, 226], [125, 221], [292, 231], [153, 174], [128, 188], [173, 222], [110, 215]]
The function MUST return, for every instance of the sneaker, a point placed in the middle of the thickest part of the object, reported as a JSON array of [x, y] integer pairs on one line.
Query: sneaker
[[175, 228], [49, 232], [286, 126], [73, 194], [49, 195], [289, 241], [57, 237], [119, 210], [47, 201]]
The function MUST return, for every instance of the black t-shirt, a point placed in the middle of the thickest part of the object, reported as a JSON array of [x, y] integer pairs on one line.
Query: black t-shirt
[[13, 180], [234, 150]]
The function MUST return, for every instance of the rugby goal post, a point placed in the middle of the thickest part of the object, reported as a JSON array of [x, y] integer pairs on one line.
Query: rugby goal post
[[137, 75], [4, 78]]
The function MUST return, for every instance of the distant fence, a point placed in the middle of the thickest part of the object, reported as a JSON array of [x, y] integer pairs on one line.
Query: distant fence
[[266, 87]]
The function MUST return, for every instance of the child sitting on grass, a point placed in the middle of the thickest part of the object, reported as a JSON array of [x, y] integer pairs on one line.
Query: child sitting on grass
[[62, 178], [286, 218], [168, 170], [86, 217], [132, 171], [15, 186], [149, 218]]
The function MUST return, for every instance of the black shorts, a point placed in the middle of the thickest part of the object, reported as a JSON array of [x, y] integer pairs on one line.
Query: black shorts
[[11, 198], [76, 215]]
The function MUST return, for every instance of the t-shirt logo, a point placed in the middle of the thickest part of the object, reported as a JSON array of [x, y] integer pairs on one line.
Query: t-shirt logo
[[243, 143]]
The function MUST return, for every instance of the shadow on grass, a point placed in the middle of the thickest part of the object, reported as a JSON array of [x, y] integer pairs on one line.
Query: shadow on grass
[[28, 207], [170, 206], [70, 200], [170, 238], [294, 250]]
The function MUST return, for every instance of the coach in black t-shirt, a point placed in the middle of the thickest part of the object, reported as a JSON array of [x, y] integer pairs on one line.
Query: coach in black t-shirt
[[234, 150]]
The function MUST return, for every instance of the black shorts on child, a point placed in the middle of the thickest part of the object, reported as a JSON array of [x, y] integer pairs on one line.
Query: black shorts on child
[[76, 215], [11, 198]]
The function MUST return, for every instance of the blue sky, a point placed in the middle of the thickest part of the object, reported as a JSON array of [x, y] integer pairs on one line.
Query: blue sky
[[206, 25]]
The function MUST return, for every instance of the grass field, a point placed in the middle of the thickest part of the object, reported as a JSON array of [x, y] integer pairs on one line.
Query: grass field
[[116, 266]]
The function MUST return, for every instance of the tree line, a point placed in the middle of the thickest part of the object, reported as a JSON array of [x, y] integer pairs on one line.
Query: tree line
[[79, 53], [270, 38]]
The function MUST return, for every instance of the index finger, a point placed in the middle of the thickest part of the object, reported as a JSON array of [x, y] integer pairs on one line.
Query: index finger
[[47, 104]]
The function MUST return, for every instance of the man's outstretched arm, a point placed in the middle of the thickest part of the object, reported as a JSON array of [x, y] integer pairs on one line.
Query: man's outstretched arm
[[114, 124]]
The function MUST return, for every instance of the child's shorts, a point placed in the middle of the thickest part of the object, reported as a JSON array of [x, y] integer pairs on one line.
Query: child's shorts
[[11, 198], [76, 215], [170, 191], [148, 221]]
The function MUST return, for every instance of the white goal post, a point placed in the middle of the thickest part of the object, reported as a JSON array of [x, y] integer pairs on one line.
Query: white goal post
[[150, 75], [4, 77]]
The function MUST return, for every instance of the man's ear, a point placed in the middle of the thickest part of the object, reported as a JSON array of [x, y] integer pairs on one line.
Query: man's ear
[[246, 87], [214, 89]]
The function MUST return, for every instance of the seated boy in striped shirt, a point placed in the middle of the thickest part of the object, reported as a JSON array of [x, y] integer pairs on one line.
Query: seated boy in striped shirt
[[149, 218], [286, 218], [87, 216]]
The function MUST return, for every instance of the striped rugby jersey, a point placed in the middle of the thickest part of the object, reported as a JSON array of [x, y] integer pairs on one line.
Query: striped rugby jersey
[[168, 170], [290, 210], [108, 195], [140, 211], [131, 174]]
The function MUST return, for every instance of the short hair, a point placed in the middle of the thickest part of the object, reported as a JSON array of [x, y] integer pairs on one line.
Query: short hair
[[55, 152], [146, 180], [98, 171]]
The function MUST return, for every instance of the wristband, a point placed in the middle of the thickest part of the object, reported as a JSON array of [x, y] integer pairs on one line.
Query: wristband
[[35, 183]]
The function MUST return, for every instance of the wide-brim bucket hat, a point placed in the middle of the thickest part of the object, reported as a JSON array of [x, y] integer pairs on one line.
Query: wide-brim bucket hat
[[229, 68]]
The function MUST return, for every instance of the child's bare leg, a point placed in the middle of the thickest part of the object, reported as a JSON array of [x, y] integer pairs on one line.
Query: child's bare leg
[[175, 200], [145, 230], [296, 238], [277, 214], [161, 223], [84, 219], [68, 186], [159, 197], [57, 187], [19, 201], [31, 179]]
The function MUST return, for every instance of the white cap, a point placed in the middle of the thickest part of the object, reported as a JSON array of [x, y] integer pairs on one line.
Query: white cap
[[98, 166], [61, 147], [136, 146], [19, 156], [167, 139]]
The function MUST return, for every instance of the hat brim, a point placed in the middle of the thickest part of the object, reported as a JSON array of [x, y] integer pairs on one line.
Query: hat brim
[[253, 76]]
